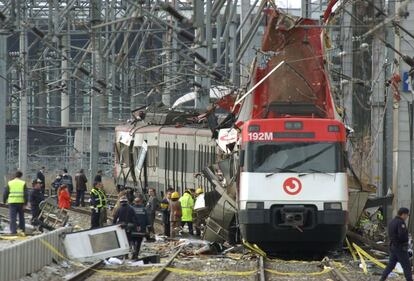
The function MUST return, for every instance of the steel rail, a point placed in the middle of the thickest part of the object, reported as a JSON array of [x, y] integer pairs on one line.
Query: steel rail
[[261, 276], [335, 272], [76, 210], [163, 273], [85, 273]]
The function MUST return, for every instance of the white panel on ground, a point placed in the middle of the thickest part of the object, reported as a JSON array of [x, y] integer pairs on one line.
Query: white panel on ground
[[96, 244]]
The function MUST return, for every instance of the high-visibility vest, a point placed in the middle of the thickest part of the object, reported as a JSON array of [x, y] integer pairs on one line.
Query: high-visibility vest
[[187, 205], [101, 197], [16, 191]]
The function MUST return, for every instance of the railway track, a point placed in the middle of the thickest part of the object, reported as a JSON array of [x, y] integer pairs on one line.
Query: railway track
[[80, 210], [163, 273], [85, 273], [264, 271]]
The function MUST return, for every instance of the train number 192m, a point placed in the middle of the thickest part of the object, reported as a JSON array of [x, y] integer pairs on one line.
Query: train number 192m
[[260, 136]]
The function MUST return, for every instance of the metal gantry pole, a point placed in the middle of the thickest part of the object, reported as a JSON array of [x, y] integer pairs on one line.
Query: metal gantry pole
[[388, 122], [64, 113], [305, 6], [23, 108], [95, 91], [377, 111], [396, 127], [3, 99], [347, 69], [202, 94], [167, 60], [247, 58]]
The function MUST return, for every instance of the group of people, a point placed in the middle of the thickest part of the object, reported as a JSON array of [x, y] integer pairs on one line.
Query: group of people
[[138, 218], [65, 179], [134, 218], [18, 195], [179, 211]]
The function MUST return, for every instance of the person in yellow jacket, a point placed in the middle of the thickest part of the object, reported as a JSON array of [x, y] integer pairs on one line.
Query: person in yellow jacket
[[187, 206], [16, 195]]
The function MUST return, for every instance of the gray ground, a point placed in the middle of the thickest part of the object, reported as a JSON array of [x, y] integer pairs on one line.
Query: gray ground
[[238, 261]]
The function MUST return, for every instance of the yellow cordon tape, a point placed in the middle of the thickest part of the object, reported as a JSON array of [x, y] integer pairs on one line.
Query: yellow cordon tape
[[116, 273], [244, 273], [100, 271], [368, 256], [254, 248], [11, 238], [364, 265], [209, 273], [324, 271], [191, 272], [351, 250]]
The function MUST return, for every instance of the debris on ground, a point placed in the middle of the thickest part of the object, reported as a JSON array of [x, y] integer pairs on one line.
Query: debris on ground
[[96, 244], [113, 261], [371, 224]]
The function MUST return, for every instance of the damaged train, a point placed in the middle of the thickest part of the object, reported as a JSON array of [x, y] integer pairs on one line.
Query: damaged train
[[275, 168]]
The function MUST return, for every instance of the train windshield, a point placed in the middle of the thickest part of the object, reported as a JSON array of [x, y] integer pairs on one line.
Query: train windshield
[[299, 157]]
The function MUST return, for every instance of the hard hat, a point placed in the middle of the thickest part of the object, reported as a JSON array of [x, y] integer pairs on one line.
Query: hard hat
[[175, 195], [123, 199], [199, 191]]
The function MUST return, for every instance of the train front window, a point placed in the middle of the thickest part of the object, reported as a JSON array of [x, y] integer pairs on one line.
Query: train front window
[[301, 157]]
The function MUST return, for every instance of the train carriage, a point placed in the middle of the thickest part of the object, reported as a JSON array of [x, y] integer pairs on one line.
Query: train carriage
[[175, 156]]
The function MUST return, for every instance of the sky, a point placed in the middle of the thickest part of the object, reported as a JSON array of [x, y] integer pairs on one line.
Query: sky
[[288, 3]]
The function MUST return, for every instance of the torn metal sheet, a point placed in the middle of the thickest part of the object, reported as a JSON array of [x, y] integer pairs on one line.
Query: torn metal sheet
[[357, 200], [227, 137], [96, 244]]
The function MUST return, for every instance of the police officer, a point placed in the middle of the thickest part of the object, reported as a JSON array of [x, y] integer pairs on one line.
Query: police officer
[[97, 202], [16, 195], [104, 198], [142, 221], [398, 234]]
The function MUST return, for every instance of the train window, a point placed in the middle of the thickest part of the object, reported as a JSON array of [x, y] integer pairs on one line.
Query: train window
[[124, 161], [185, 164], [176, 160], [182, 164], [152, 156], [167, 164], [199, 158], [173, 165], [206, 153]]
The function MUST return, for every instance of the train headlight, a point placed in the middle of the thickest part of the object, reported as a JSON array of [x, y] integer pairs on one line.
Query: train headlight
[[332, 206], [255, 205]]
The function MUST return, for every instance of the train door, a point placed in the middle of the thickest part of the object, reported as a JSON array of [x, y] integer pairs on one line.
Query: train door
[[205, 156], [185, 164]]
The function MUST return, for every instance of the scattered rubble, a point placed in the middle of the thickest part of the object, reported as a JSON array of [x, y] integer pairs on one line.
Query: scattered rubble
[[53, 272]]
